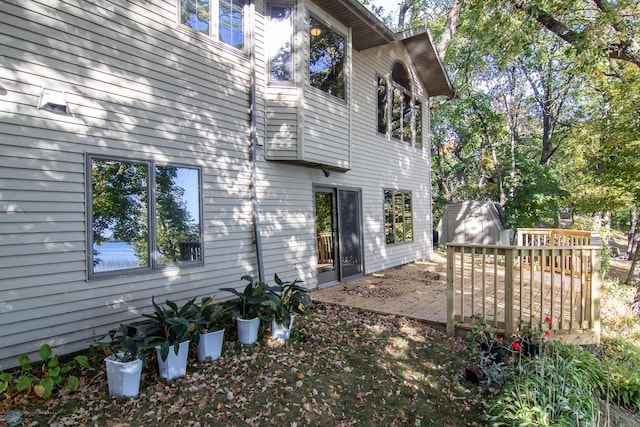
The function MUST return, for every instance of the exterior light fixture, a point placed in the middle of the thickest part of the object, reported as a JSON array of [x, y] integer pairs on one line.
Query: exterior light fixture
[[315, 32], [54, 101], [325, 172]]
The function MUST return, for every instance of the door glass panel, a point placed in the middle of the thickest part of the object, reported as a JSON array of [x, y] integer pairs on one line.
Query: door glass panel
[[350, 233], [325, 231]]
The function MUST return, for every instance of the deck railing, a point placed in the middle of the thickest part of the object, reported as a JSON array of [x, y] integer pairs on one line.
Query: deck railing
[[528, 283]]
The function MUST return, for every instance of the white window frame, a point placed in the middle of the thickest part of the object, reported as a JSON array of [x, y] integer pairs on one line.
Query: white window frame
[[214, 24]]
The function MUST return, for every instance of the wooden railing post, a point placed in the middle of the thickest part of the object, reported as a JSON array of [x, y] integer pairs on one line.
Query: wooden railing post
[[451, 315], [595, 294], [508, 291]]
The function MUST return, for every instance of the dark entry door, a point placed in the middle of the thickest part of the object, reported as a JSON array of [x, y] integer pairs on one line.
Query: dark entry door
[[338, 234]]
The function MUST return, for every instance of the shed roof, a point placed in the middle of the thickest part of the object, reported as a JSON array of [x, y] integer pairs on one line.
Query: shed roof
[[368, 32]]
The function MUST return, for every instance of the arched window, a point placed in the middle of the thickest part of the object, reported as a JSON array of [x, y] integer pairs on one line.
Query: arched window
[[399, 111]]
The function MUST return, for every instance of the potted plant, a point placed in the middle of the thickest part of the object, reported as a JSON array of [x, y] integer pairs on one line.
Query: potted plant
[[209, 336], [172, 334], [284, 301], [124, 363], [248, 308]]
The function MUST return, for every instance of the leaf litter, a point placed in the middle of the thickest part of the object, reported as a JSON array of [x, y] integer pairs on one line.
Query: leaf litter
[[342, 367]]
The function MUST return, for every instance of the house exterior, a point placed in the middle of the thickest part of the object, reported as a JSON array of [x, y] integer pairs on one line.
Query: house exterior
[[165, 148]]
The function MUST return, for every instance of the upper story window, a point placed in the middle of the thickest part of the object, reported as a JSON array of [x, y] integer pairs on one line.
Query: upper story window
[[143, 215], [280, 42], [205, 16], [399, 110], [327, 55]]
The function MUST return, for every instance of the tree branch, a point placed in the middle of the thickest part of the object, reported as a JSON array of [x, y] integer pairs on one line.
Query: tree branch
[[626, 49]]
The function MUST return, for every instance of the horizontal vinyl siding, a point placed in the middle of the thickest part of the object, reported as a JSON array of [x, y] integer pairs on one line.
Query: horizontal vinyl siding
[[286, 196], [282, 131], [141, 87], [389, 164], [326, 130]]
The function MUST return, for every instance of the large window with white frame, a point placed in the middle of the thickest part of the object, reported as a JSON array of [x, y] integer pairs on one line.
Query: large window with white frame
[[143, 215], [399, 109], [280, 42], [221, 19], [398, 216]]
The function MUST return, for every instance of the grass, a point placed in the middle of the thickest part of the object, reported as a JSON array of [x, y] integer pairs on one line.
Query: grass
[[342, 367]]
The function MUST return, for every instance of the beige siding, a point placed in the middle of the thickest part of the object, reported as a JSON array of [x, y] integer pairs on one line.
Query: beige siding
[[139, 86], [326, 132], [286, 196]]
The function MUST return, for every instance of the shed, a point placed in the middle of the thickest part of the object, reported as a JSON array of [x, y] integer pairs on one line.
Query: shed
[[472, 222]]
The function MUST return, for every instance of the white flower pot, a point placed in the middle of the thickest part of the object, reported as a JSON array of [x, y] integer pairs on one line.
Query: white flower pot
[[248, 330], [123, 377], [176, 364], [210, 345], [279, 331]]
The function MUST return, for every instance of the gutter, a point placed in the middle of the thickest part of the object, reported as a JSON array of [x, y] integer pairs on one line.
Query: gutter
[[254, 146]]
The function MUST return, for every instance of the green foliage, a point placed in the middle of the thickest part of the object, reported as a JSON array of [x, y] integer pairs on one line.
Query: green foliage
[[210, 317], [285, 298], [250, 302], [623, 359], [174, 325], [43, 379], [561, 387], [537, 200], [125, 347]]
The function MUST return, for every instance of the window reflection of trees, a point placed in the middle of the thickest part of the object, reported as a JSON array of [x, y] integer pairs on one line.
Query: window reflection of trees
[[398, 216], [280, 32], [399, 111], [326, 59], [120, 203]]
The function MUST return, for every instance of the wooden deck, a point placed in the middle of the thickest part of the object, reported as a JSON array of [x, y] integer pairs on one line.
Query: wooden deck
[[417, 290]]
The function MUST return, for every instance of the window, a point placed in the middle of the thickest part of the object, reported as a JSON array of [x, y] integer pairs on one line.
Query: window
[[326, 59], [399, 112], [279, 43], [143, 215], [382, 105], [205, 15], [398, 216]]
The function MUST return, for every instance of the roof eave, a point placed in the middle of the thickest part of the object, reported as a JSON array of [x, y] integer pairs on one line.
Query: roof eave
[[419, 44]]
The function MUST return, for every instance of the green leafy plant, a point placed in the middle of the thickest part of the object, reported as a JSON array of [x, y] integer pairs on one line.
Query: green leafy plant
[[43, 379], [488, 350], [250, 302], [285, 298], [174, 325], [125, 347], [561, 387], [210, 317]]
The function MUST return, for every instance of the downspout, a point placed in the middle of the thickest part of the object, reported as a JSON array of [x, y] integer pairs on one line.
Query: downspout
[[254, 143]]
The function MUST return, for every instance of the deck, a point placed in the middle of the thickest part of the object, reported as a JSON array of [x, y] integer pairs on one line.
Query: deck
[[506, 285], [417, 290]]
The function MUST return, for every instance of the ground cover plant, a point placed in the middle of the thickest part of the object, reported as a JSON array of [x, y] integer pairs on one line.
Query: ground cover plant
[[342, 366]]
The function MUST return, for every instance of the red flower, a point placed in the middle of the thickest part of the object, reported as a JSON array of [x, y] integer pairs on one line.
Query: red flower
[[516, 346], [547, 333], [547, 319], [499, 340]]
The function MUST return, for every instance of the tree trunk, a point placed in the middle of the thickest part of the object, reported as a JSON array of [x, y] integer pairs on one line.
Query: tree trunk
[[633, 278], [449, 29], [633, 221]]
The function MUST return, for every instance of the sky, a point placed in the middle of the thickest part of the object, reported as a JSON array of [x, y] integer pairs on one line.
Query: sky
[[390, 6]]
